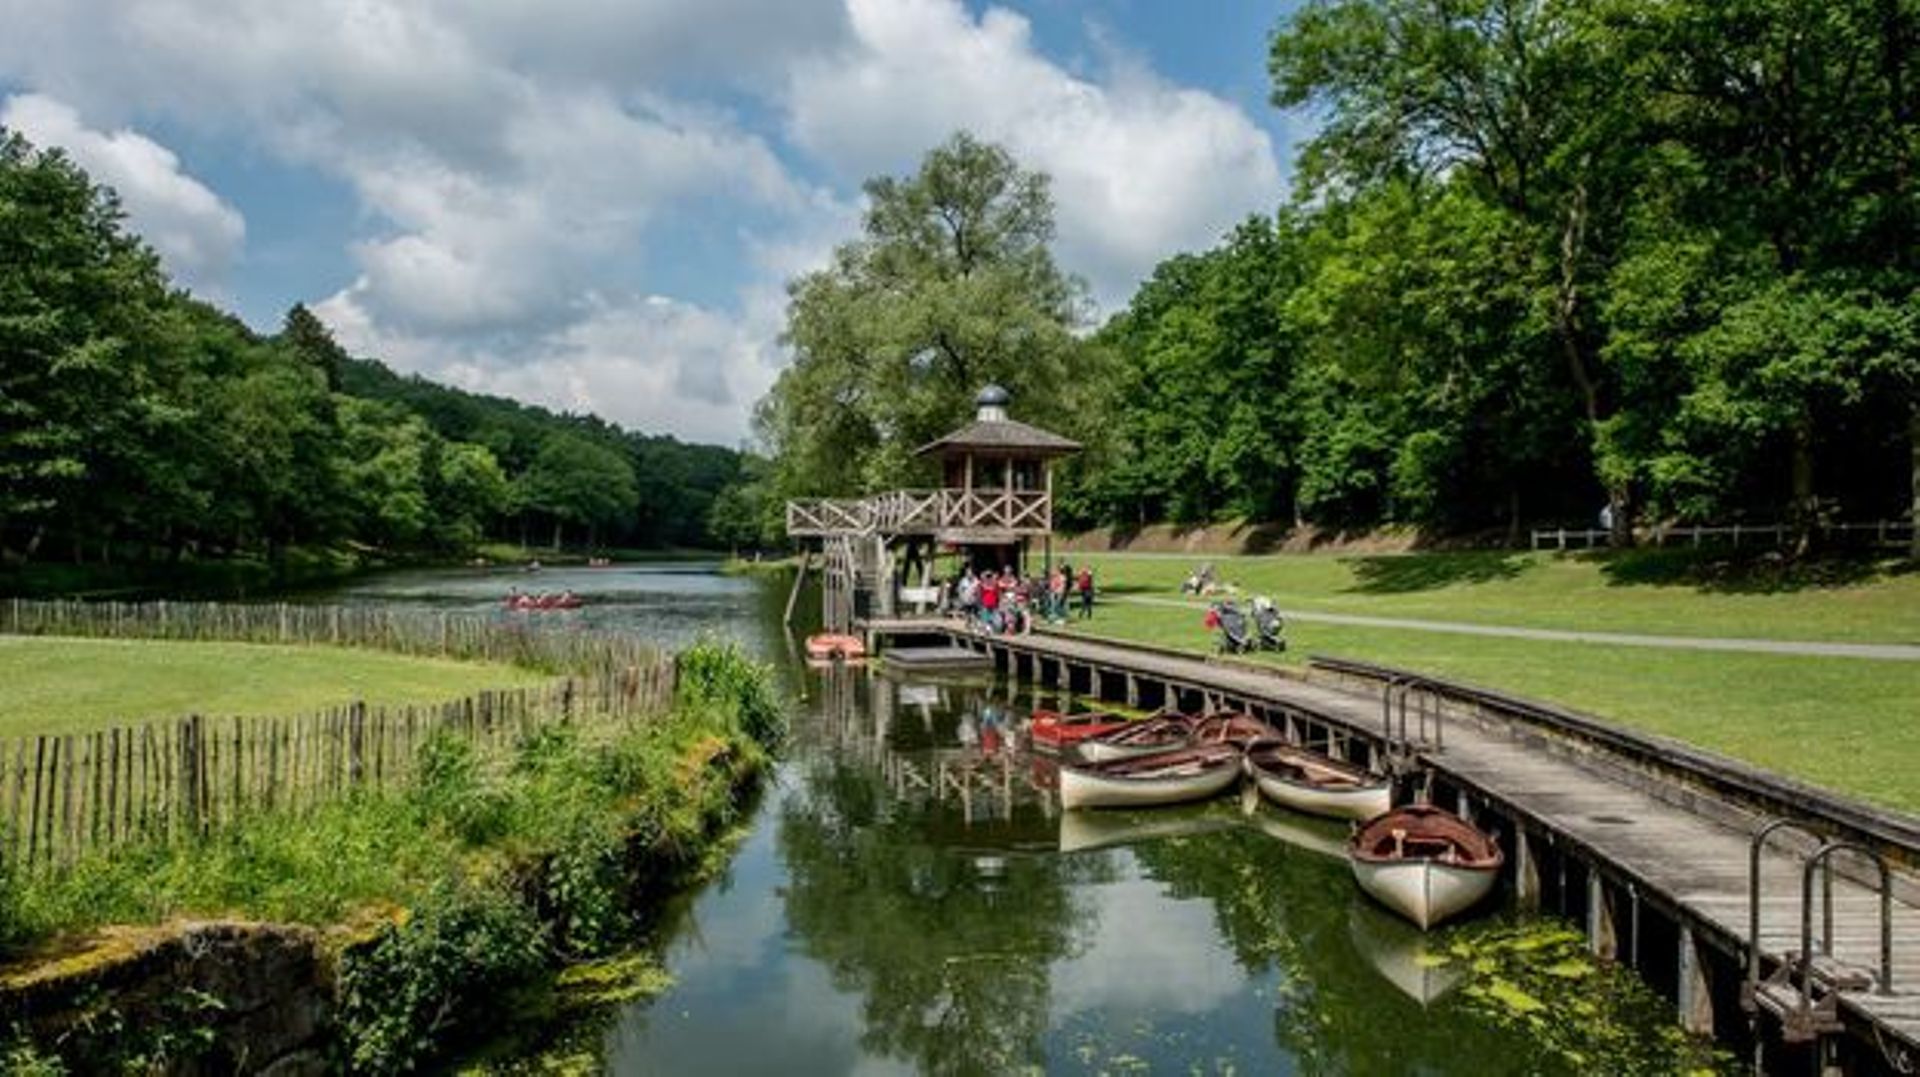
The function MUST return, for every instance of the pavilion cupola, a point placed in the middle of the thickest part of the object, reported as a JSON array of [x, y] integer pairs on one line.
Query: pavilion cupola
[[992, 403]]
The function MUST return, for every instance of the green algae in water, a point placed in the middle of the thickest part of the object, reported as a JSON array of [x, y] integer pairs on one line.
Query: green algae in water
[[559, 1032], [1537, 975]]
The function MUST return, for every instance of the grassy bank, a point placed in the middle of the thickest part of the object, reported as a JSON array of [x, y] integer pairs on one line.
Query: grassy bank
[[507, 868], [1842, 723], [72, 685], [1670, 592]]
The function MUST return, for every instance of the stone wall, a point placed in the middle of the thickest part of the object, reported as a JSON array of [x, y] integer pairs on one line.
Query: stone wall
[[215, 997]]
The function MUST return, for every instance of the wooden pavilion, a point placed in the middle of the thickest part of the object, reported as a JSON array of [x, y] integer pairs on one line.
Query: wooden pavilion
[[996, 498]]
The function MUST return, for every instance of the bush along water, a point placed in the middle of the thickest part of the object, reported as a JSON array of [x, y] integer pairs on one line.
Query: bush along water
[[504, 870]]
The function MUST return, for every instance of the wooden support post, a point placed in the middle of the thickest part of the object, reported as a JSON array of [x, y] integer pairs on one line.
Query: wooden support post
[[1695, 996], [1133, 690], [799, 578], [1602, 939], [1526, 872]]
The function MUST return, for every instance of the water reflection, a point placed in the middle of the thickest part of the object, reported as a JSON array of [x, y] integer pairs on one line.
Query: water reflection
[[910, 899], [923, 906]]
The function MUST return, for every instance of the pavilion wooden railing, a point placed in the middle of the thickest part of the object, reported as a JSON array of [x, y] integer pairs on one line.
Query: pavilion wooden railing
[[905, 512], [1010, 510]]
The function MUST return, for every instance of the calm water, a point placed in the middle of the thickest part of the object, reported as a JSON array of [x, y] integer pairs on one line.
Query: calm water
[[910, 899]]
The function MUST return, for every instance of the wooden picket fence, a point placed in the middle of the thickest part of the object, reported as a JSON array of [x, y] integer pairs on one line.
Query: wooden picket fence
[[63, 796], [520, 639]]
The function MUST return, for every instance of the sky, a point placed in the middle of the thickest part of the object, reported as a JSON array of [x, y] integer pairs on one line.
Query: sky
[[596, 204]]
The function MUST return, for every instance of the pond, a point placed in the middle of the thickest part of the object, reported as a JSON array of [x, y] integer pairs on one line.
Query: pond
[[910, 898]]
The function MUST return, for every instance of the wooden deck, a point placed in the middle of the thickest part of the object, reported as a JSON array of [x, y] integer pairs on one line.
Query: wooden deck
[[1682, 859]]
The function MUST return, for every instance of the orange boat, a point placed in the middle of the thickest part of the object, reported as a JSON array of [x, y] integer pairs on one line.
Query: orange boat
[[1052, 731], [827, 646]]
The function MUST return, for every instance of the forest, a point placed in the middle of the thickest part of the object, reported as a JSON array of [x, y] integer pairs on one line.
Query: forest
[[141, 425], [1541, 258]]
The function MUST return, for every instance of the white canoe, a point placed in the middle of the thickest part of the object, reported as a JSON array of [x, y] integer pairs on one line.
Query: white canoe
[[1424, 863], [1306, 781], [1150, 736], [1168, 778]]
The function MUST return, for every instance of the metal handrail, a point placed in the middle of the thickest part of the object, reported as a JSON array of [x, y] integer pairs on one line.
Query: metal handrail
[[1884, 982], [1754, 848]]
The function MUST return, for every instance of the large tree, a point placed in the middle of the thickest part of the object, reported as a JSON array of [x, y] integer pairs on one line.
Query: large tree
[[950, 286], [1510, 96]]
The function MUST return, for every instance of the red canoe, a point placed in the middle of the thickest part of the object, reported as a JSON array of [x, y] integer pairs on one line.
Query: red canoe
[[1052, 731], [827, 646]]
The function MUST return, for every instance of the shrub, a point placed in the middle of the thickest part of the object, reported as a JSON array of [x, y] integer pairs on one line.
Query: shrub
[[402, 997], [717, 674]]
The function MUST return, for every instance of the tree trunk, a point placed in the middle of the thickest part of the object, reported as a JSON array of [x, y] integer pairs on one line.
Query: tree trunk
[[1513, 517], [1913, 510], [558, 523], [1566, 324], [1801, 510]]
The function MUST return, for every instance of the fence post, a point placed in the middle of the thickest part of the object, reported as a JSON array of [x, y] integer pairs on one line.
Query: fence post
[[191, 777], [356, 743]]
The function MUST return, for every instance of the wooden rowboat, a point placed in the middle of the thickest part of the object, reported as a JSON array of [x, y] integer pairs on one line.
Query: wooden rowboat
[[826, 646], [1052, 731], [1238, 729], [1424, 863], [1294, 777], [1149, 736], [1192, 773]]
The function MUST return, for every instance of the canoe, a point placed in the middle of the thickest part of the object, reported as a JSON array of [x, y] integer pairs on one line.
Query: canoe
[[1149, 736], [1307, 781], [1192, 773], [1424, 863], [1237, 729], [830, 645], [1052, 731]]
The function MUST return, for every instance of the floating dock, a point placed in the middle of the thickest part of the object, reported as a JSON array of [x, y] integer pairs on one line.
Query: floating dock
[[931, 659]]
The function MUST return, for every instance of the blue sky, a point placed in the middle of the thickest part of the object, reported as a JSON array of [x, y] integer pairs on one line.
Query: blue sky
[[595, 204]]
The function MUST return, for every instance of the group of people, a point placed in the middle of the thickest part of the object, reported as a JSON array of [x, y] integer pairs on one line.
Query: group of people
[[1007, 602], [518, 600]]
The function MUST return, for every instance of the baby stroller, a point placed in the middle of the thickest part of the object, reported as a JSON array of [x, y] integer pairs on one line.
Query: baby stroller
[[1200, 582], [1267, 622], [1234, 637]]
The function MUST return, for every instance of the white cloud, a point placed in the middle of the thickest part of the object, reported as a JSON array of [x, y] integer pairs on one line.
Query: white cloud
[[516, 163], [197, 235], [1141, 168], [651, 363]]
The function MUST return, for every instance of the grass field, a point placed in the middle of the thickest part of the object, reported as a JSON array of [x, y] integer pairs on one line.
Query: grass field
[[1843, 723], [70, 685], [1666, 592]]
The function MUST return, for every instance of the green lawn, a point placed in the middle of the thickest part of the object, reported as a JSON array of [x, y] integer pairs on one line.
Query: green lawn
[[67, 685], [1667, 592], [1843, 723]]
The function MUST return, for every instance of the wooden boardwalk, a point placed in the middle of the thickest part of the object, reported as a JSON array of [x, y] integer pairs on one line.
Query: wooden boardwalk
[[1682, 859]]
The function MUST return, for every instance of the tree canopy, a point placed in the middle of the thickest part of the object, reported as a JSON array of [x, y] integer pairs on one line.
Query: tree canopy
[[951, 286], [138, 423]]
